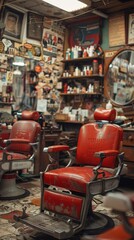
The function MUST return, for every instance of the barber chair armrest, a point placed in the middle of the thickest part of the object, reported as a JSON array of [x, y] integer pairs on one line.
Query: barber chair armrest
[[106, 153], [57, 149], [102, 155], [16, 140]]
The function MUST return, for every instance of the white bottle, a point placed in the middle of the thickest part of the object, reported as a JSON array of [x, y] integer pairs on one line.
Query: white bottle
[[109, 105], [76, 71]]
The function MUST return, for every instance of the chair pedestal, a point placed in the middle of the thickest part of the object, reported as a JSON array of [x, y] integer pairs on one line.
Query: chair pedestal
[[98, 223], [9, 189]]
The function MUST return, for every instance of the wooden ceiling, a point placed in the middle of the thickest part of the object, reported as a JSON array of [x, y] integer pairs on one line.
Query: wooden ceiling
[[42, 8]]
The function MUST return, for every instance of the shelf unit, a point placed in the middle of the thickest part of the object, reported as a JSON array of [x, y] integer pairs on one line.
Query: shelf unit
[[79, 84]]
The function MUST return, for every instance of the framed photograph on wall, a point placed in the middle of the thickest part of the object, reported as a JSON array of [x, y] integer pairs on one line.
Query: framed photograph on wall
[[34, 26], [13, 20], [131, 28]]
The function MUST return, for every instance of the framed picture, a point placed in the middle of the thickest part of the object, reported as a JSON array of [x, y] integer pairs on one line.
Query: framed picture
[[34, 26], [131, 28], [13, 20], [85, 33]]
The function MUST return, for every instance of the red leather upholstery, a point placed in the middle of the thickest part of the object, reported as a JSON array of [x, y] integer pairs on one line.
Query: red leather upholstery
[[94, 139], [23, 130], [30, 115], [105, 114], [72, 178], [13, 156]]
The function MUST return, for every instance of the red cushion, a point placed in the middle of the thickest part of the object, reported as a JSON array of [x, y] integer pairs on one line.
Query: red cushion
[[30, 115], [14, 156], [72, 178], [104, 114]]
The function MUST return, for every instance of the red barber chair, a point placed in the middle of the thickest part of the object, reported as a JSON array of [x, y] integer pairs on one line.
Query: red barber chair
[[67, 193], [121, 204], [18, 154]]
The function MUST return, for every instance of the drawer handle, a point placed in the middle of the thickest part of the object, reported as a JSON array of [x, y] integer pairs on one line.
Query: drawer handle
[[130, 138]]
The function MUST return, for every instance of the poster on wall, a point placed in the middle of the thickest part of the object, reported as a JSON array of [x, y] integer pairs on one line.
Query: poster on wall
[[131, 28], [50, 41], [52, 54], [85, 33], [13, 20]]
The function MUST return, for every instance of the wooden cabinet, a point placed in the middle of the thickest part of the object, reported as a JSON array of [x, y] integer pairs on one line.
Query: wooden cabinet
[[128, 148]]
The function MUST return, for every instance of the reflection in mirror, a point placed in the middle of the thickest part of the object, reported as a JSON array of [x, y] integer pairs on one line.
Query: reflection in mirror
[[121, 78]]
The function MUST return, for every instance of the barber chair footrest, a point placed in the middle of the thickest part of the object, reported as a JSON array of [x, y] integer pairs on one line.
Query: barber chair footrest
[[49, 225]]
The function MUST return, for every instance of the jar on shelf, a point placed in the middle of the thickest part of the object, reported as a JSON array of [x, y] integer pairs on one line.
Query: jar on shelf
[[95, 66]]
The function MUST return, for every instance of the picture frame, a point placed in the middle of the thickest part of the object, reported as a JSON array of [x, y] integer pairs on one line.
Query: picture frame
[[85, 32], [13, 20], [34, 26], [117, 38], [131, 28]]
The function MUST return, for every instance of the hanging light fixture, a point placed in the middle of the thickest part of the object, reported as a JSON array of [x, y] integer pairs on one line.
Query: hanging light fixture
[[18, 61], [17, 72]]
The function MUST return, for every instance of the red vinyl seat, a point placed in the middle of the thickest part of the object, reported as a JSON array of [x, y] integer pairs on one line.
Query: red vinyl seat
[[18, 154], [67, 192]]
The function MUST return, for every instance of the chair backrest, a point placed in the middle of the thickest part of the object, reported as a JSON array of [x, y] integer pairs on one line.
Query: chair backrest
[[93, 138], [24, 130]]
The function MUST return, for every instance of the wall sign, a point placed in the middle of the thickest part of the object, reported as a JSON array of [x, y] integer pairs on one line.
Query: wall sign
[[117, 30]]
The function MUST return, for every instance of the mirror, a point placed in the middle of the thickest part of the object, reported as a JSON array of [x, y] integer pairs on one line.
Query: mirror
[[120, 77]]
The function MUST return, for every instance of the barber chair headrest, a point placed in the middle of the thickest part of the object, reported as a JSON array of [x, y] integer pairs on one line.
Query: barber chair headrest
[[104, 114], [30, 115]]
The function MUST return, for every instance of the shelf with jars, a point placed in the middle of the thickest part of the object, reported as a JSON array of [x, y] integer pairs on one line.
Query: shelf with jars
[[83, 75], [82, 84]]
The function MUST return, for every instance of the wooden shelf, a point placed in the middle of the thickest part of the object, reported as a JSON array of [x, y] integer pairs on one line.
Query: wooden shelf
[[79, 94], [82, 59], [69, 121], [6, 103], [83, 77]]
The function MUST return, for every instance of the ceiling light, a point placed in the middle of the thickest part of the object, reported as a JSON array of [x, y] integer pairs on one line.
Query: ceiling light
[[67, 5]]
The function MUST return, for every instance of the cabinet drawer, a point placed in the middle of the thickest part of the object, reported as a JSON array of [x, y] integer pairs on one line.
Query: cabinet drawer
[[128, 138], [129, 153]]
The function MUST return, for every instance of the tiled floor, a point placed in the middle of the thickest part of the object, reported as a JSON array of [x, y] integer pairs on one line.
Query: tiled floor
[[11, 230]]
